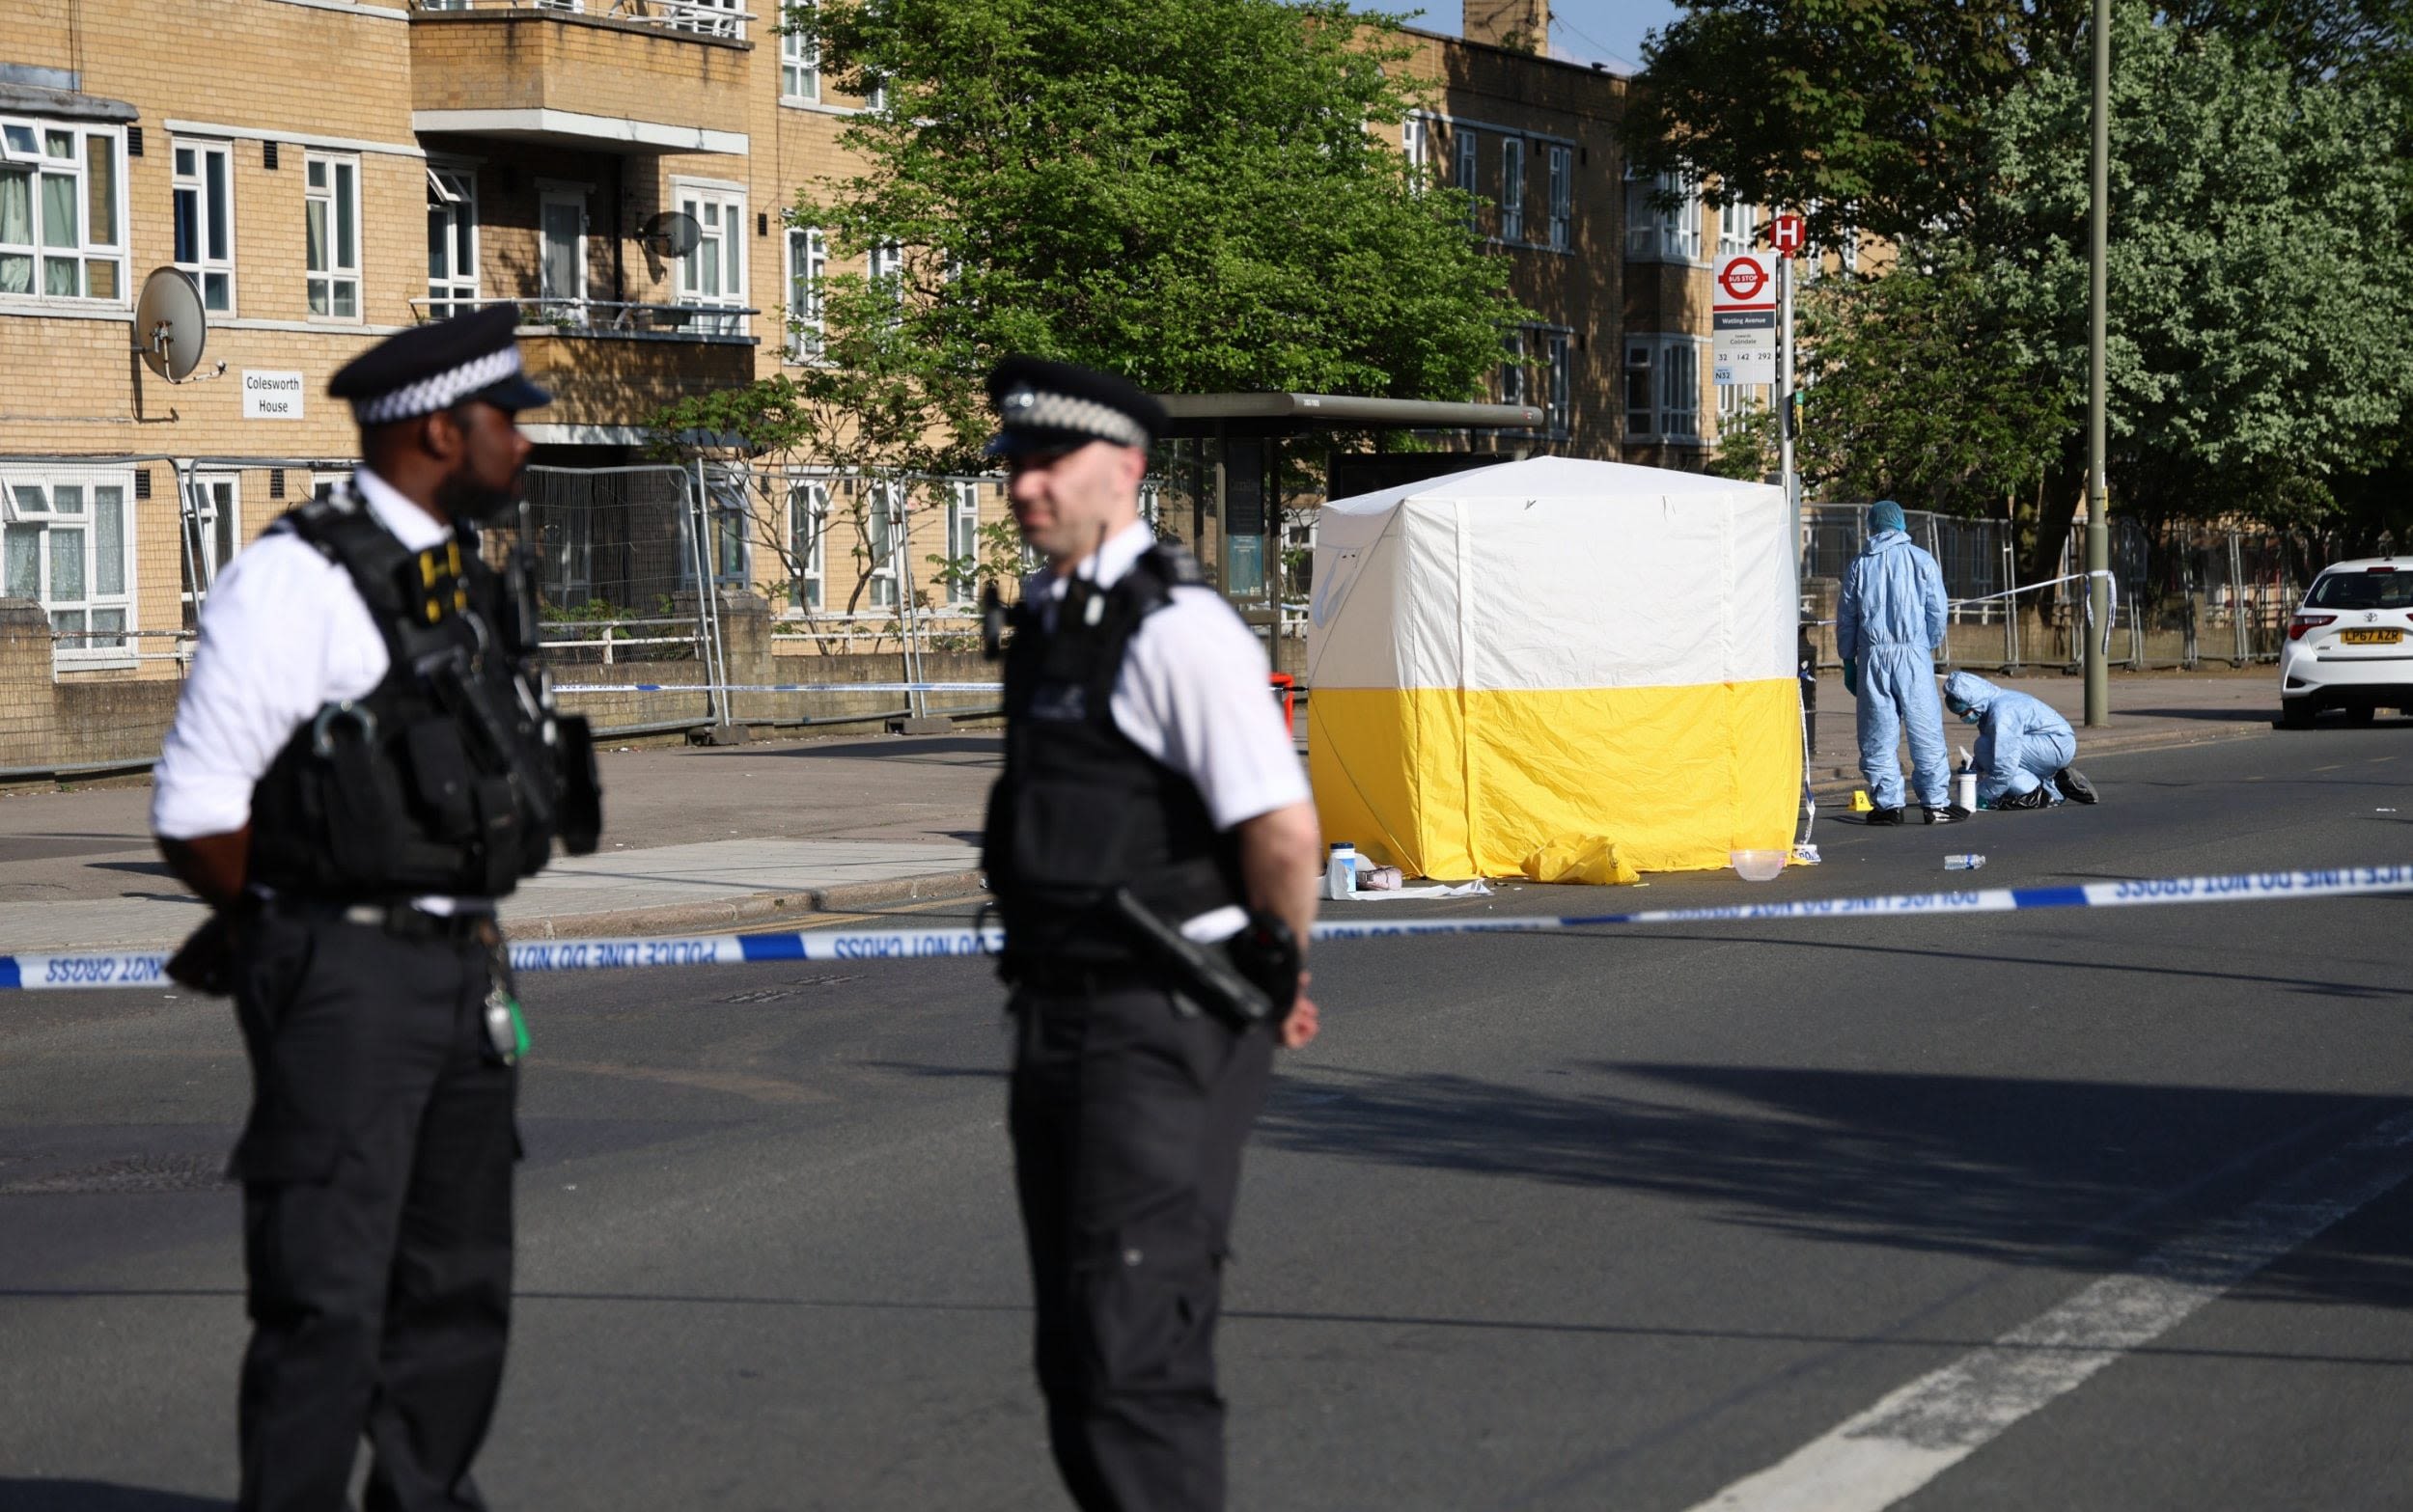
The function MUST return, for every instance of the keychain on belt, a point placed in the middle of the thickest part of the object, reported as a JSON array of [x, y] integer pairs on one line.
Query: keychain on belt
[[505, 1028]]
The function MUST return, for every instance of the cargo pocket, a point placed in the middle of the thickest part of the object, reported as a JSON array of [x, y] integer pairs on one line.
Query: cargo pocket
[[1148, 1314]]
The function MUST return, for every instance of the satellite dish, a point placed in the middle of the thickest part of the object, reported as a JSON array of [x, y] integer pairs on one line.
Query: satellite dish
[[673, 233], [170, 326]]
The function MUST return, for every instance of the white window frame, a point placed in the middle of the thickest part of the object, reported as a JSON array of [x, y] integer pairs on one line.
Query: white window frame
[[452, 197], [720, 210], [883, 516], [42, 519], [807, 264], [552, 192], [1737, 399], [28, 148], [213, 270], [1668, 365], [1662, 235], [876, 97], [1511, 188], [337, 278], [808, 543], [964, 538], [1415, 140], [1738, 228], [1561, 233], [212, 525], [884, 263], [799, 68]]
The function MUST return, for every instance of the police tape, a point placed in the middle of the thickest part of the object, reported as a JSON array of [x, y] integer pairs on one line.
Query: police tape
[[148, 968], [778, 687]]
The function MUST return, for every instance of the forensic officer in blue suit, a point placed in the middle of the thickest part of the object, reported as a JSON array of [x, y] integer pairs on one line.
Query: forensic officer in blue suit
[[2024, 749], [1890, 622]]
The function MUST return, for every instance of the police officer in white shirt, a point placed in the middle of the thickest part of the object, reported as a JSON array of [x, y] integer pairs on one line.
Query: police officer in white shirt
[[362, 760], [1152, 838]]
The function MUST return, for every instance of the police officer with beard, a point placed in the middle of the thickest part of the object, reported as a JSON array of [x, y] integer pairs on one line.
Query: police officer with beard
[[1150, 840], [363, 761]]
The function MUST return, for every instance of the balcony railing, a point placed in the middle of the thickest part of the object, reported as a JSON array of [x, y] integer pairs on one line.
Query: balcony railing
[[701, 17], [606, 318]]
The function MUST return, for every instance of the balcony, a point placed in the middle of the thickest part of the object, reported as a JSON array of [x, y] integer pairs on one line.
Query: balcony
[[638, 76], [613, 364]]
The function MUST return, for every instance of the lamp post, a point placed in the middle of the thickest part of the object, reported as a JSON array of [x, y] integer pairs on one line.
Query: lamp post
[[2097, 628]]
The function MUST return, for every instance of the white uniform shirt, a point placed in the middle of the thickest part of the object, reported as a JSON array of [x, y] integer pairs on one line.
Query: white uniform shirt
[[1193, 691], [282, 632]]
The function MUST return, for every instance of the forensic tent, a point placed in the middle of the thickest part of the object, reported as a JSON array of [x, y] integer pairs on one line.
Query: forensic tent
[[1555, 652]]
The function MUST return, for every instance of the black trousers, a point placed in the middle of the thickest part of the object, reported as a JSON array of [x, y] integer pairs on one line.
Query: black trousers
[[1127, 1122], [377, 1173]]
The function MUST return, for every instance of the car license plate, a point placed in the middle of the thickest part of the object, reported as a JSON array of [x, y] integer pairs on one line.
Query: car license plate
[[2373, 636]]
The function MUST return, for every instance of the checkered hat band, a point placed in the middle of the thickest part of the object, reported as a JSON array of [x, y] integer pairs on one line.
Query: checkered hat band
[[1028, 411], [442, 391]]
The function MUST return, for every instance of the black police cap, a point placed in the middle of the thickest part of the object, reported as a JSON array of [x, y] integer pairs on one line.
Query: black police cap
[[1046, 406], [437, 366]]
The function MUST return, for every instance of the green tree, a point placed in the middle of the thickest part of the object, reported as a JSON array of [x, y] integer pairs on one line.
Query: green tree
[[2260, 323], [1185, 191]]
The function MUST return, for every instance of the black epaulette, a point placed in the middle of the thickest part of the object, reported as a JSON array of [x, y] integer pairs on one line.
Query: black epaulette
[[1172, 562]]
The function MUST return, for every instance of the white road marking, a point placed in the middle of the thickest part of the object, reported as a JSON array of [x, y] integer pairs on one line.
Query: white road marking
[[1884, 1454]]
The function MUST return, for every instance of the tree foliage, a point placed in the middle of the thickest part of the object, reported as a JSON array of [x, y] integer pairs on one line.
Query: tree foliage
[[2259, 325], [1186, 191]]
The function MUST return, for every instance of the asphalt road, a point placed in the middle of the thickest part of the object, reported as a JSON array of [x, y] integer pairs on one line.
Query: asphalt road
[[1594, 1220]]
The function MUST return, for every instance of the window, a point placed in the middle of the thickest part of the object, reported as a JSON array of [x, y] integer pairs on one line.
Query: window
[[963, 540], [808, 532], [1512, 368], [1463, 173], [883, 529], [1662, 235], [561, 250], [1558, 353], [1561, 198], [331, 234], [884, 265], [1512, 188], [204, 219], [1738, 226], [63, 545], [1412, 140], [62, 211], [211, 526], [1739, 400], [799, 67], [1663, 386], [875, 92], [808, 263], [713, 274], [1848, 248], [451, 242]]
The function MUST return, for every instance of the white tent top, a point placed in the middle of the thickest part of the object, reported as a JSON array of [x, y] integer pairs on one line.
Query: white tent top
[[1555, 574]]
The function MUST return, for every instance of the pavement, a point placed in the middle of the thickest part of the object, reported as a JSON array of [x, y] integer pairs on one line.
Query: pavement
[[716, 837]]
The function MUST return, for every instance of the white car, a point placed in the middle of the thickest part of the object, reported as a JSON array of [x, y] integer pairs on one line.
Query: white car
[[2350, 645]]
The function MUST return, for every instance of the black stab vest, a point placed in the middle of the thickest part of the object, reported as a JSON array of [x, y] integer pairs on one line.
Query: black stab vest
[[446, 779], [1080, 810]]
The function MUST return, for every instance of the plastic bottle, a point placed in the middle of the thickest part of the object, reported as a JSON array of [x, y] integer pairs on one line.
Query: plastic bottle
[[1341, 872], [1965, 860]]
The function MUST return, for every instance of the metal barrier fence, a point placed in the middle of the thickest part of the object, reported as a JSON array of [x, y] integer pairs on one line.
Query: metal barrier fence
[[2188, 592]]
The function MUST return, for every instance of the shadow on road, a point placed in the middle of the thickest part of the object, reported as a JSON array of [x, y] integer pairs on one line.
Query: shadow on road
[[2074, 1175], [94, 1495]]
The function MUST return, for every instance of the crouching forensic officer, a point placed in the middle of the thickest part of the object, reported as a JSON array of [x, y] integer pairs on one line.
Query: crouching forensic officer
[[364, 760], [1154, 855]]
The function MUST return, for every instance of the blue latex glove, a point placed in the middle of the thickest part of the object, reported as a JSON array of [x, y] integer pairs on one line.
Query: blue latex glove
[[1852, 675]]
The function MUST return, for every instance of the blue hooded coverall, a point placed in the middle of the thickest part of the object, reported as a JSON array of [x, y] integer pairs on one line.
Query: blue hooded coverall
[[1891, 621], [2021, 742]]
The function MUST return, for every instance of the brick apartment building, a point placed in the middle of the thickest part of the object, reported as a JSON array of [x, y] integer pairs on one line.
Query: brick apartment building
[[329, 171]]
